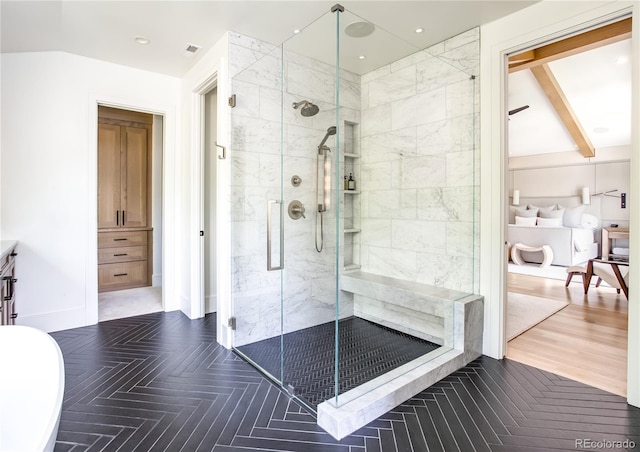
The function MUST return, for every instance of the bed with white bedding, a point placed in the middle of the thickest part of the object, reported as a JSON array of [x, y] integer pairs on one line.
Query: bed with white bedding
[[569, 232], [571, 246]]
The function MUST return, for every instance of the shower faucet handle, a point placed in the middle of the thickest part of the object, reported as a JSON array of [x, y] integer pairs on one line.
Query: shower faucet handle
[[296, 210]]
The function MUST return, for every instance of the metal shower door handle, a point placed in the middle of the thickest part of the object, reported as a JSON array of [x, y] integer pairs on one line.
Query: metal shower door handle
[[270, 202]]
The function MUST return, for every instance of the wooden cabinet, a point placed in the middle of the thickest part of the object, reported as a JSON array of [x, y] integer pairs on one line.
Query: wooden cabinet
[[124, 158], [124, 199], [123, 260], [8, 282]]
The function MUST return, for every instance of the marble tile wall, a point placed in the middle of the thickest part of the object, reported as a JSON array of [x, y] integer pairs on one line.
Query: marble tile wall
[[419, 169], [418, 176], [267, 80]]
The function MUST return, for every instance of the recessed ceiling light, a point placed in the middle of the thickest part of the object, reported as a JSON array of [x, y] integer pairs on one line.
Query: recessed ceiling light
[[142, 40], [622, 60], [601, 129], [361, 57], [419, 30], [296, 31]]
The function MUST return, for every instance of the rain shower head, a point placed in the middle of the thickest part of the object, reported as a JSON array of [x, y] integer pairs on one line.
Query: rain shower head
[[308, 109]]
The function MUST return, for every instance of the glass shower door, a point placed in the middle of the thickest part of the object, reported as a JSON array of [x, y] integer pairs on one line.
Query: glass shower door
[[286, 203], [257, 208]]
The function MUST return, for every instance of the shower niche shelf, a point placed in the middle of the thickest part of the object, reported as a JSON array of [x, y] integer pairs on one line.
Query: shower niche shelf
[[350, 199]]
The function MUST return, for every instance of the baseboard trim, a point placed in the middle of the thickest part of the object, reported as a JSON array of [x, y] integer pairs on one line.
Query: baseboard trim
[[55, 321]]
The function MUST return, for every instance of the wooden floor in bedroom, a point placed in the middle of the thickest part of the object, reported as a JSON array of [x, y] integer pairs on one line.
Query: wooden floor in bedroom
[[586, 341]]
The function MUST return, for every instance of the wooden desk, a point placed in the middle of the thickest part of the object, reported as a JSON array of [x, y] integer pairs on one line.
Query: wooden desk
[[615, 266], [609, 234]]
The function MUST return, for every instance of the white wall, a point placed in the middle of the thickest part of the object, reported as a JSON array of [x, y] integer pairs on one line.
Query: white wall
[[49, 175], [528, 28], [558, 176]]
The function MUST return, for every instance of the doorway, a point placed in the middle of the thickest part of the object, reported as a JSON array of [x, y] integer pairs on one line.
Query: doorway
[[569, 181], [130, 168]]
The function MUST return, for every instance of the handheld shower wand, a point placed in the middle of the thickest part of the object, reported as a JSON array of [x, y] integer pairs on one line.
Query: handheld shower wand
[[330, 131], [323, 150]]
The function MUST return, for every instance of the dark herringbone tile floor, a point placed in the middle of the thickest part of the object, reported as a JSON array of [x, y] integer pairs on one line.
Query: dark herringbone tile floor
[[367, 351], [159, 382]]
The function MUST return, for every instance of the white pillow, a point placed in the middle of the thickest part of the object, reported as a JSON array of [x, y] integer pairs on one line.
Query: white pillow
[[573, 216], [542, 209], [525, 221], [553, 214], [589, 221], [549, 222], [522, 212]]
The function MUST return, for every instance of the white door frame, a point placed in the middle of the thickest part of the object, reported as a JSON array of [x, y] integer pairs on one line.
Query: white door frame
[[197, 194], [529, 28], [169, 255], [214, 75]]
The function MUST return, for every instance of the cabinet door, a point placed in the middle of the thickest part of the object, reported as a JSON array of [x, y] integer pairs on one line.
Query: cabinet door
[[109, 176], [134, 193]]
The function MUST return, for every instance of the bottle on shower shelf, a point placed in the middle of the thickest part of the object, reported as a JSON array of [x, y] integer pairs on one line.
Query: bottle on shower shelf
[[351, 183], [346, 183]]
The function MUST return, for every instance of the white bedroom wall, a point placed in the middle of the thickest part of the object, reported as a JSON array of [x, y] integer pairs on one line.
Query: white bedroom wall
[[560, 176], [49, 176]]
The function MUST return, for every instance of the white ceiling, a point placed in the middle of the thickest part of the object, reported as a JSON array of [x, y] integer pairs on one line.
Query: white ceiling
[[598, 89], [106, 29]]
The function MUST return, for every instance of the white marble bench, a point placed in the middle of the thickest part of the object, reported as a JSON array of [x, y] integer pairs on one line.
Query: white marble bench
[[422, 310], [449, 318]]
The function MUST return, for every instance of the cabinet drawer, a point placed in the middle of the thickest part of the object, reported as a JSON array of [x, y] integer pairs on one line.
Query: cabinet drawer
[[122, 254], [121, 239], [122, 275]]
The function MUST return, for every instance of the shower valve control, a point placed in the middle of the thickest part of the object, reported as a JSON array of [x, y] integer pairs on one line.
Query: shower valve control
[[296, 210]]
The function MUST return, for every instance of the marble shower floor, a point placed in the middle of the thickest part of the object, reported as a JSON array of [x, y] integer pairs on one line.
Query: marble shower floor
[[119, 304]]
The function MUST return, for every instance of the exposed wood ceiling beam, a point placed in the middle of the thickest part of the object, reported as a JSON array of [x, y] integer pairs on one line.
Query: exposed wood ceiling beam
[[608, 34], [552, 89]]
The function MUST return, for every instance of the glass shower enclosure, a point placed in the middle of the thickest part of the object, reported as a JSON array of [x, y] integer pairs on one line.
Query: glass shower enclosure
[[353, 154]]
